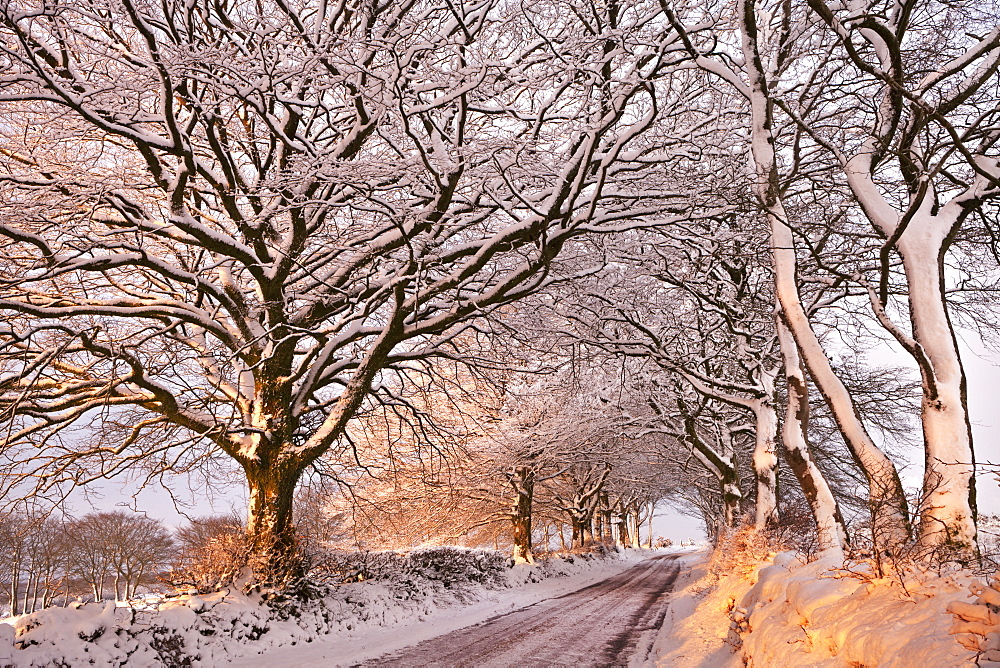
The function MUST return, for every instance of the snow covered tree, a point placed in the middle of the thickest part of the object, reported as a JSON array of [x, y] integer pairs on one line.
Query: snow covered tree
[[225, 222], [750, 63], [915, 163], [927, 160]]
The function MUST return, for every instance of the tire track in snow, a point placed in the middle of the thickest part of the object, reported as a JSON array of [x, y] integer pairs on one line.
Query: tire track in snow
[[601, 625]]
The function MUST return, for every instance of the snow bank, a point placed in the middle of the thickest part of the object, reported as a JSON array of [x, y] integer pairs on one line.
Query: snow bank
[[821, 614], [977, 625], [212, 629]]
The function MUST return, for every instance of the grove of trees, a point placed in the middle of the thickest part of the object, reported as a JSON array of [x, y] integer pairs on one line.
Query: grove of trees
[[101, 555], [477, 271]]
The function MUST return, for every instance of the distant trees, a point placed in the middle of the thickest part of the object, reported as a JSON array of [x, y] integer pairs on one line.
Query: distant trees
[[103, 554], [34, 563], [115, 551]]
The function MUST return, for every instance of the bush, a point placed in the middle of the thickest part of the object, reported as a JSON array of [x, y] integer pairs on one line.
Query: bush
[[212, 550], [740, 551]]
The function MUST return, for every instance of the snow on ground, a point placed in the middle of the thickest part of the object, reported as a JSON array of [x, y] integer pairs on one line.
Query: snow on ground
[[773, 611], [353, 622], [371, 641], [822, 614], [696, 629], [785, 612]]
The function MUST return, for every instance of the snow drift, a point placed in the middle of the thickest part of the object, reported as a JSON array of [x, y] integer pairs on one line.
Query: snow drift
[[823, 614]]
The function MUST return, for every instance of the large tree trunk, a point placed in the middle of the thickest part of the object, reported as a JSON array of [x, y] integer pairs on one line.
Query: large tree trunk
[[623, 532], [582, 528], [607, 536], [948, 513], [886, 492], [599, 524], [270, 533], [831, 531], [649, 525], [636, 541], [523, 482]]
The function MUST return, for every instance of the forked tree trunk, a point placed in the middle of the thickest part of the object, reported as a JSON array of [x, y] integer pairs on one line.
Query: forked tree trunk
[[886, 493], [922, 231], [948, 515], [765, 460], [831, 532], [582, 535]]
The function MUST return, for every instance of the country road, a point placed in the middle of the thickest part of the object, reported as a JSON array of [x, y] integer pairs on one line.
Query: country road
[[605, 624]]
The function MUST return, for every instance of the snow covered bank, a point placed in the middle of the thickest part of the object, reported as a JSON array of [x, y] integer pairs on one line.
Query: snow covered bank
[[743, 607], [977, 625], [349, 623], [822, 614]]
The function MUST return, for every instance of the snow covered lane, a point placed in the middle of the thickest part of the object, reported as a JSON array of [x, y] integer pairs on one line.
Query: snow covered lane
[[605, 624]]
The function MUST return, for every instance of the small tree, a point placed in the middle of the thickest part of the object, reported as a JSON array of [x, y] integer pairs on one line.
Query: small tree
[[33, 553], [210, 552]]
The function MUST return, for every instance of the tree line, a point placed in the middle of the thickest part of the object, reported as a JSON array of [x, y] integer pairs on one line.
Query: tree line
[[110, 555], [263, 238]]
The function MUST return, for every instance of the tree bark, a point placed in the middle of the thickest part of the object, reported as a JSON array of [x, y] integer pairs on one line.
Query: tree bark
[[623, 532], [831, 530], [649, 525], [636, 541], [607, 536], [270, 533], [732, 497], [523, 482], [15, 584], [582, 534], [765, 461], [948, 515]]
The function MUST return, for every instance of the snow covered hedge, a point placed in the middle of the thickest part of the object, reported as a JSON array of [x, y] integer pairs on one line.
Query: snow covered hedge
[[446, 566], [377, 589]]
